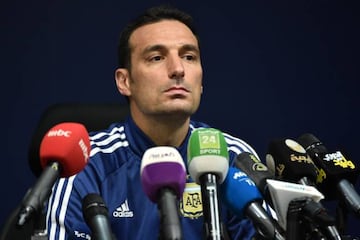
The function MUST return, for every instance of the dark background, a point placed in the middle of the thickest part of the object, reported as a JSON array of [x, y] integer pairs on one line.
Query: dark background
[[271, 69]]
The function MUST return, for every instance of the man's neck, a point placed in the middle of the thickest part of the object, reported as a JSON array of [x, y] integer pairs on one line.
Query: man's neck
[[164, 130]]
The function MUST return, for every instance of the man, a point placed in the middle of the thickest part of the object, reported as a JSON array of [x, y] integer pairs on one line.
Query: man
[[160, 74]]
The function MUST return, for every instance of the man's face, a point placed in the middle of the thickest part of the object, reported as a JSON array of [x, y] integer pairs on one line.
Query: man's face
[[166, 71]]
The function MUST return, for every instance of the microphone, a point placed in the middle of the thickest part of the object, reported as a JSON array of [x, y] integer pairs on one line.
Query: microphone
[[289, 161], [208, 164], [282, 193], [243, 198], [336, 171], [257, 172], [64, 151], [95, 214], [163, 178]]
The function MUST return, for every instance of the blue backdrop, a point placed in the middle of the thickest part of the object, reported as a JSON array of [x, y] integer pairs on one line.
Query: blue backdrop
[[271, 69]]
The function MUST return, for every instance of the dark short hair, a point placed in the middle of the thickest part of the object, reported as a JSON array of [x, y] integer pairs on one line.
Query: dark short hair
[[151, 15]]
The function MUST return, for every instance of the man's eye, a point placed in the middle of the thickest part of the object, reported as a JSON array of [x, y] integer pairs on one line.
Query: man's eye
[[155, 58], [189, 57]]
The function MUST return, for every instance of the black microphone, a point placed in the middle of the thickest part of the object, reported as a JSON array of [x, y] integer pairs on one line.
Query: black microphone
[[257, 171], [95, 214], [64, 151], [208, 164], [337, 171], [290, 162]]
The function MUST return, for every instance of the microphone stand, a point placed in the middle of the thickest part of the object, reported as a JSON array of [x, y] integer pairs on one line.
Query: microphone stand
[[294, 222], [341, 216], [304, 213], [39, 232], [170, 226], [213, 230]]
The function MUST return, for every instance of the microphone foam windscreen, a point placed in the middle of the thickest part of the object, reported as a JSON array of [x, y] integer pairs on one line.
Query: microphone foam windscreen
[[162, 167], [207, 153], [333, 166], [237, 191], [289, 160], [68, 144]]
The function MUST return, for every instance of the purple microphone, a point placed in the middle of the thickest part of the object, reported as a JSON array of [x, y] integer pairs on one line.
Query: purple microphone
[[163, 178]]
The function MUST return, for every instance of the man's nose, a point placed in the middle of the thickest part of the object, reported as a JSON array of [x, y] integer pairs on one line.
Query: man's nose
[[176, 67]]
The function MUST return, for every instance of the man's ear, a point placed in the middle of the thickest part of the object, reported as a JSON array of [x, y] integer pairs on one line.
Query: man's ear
[[122, 81]]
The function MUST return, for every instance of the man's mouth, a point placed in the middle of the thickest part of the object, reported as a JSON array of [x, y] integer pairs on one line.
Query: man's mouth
[[177, 89]]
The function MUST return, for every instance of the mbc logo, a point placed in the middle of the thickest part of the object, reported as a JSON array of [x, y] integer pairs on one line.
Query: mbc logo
[[59, 133]]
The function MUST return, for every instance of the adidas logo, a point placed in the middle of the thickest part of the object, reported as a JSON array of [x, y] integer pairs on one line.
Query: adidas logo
[[123, 211]]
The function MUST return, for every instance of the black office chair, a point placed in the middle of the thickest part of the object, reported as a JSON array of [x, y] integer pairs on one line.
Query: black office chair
[[94, 116]]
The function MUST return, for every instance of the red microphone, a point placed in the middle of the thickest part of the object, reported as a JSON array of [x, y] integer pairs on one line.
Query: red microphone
[[68, 144], [64, 151]]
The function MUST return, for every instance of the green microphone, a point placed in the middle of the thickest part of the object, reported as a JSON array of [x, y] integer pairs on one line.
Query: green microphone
[[208, 165]]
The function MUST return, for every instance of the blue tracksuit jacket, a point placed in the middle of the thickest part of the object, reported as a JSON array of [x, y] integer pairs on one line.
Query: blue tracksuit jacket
[[113, 172]]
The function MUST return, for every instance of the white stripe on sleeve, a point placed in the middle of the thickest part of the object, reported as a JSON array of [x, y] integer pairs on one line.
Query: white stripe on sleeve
[[64, 207], [54, 207]]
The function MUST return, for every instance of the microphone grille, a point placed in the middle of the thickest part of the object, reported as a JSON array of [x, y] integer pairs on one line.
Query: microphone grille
[[307, 139], [92, 205]]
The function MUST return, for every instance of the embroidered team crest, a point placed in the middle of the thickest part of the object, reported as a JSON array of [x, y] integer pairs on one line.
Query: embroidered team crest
[[191, 202]]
